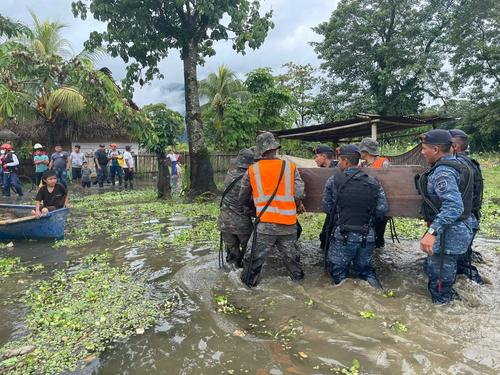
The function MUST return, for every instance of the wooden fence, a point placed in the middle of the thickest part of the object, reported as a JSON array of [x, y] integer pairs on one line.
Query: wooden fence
[[148, 163]]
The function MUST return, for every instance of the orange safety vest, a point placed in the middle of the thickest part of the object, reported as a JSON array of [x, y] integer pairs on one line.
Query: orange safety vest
[[378, 163], [263, 177]]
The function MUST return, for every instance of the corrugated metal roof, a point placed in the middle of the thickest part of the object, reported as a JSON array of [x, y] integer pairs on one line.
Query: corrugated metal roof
[[360, 126]]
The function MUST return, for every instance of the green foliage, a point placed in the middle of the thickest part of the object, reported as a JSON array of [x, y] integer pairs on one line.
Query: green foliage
[[166, 130], [10, 28], [381, 56], [265, 106], [78, 314], [301, 81], [12, 265], [147, 31]]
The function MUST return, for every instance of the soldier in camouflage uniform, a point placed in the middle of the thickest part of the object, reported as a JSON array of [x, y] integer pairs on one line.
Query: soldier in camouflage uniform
[[447, 210], [460, 145], [267, 234], [354, 199], [235, 222]]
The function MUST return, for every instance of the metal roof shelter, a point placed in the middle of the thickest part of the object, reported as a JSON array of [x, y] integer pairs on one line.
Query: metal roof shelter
[[363, 125]]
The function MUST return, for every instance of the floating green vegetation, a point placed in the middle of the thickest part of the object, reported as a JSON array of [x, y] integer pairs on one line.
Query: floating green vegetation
[[399, 327], [389, 293], [77, 314], [222, 305], [288, 331], [367, 314], [12, 265]]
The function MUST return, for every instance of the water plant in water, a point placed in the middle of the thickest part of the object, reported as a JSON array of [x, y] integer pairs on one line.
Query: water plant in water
[[77, 314], [12, 265]]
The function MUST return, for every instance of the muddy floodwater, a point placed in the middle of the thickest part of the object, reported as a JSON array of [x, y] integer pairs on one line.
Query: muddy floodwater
[[282, 327]]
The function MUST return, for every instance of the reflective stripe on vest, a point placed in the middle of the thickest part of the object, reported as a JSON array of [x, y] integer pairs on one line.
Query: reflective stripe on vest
[[263, 177], [378, 163]]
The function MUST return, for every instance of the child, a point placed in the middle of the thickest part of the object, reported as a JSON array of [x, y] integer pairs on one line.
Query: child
[[41, 161], [52, 194], [86, 175]]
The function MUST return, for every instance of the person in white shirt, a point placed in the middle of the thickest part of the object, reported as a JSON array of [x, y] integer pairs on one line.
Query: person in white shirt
[[128, 167], [77, 158]]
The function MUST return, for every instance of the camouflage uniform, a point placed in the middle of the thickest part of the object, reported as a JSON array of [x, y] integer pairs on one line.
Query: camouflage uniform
[[270, 234], [355, 248], [234, 221], [443, 182]]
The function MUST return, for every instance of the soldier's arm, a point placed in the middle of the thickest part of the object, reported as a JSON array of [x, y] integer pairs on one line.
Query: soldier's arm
[[245, 195], [382, 206], [299, 191], [446, 188], [329, 195]]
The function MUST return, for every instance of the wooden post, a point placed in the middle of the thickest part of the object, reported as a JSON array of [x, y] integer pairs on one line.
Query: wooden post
[[374, 131]]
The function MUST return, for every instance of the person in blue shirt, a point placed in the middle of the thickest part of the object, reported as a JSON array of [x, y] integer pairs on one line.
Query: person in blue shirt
[[353, 200], [41, 161], [447, 194]]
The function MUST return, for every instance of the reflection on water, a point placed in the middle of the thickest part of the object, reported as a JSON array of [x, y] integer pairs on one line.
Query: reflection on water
[[285, 327]]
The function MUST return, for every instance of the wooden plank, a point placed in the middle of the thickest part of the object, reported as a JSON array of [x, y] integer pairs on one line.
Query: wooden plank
[[398, 183]]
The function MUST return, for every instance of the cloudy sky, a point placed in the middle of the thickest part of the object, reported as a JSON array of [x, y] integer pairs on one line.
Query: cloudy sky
[[288, 41]]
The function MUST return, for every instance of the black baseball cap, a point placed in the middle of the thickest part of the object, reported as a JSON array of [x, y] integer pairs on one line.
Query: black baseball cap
[[350, 150], [459, 133], [102, 145], [322, 149], [436, 137]]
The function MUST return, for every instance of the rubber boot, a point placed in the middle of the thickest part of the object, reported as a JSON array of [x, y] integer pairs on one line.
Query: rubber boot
[[374, 282], [120, 181]]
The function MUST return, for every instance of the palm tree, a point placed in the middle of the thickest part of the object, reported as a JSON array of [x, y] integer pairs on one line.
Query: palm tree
[[38, 80], [218, 87]]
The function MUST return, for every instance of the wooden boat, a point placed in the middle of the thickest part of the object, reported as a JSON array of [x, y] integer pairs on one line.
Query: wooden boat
[[398, 183], [25, 226]]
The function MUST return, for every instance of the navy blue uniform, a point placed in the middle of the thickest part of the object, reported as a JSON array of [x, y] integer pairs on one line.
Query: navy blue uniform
[[443, 183], [352, 247]]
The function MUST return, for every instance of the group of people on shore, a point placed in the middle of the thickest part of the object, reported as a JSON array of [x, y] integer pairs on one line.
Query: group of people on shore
[[263, 196]]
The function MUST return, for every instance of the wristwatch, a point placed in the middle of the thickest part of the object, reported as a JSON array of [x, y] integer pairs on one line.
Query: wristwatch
[[431, 231]]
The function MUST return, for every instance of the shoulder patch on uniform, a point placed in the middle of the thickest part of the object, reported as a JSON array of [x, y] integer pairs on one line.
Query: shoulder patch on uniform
[[442, 186]]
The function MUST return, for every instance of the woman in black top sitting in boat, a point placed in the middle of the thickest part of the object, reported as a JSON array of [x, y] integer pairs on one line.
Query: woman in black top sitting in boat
[[51, 195]]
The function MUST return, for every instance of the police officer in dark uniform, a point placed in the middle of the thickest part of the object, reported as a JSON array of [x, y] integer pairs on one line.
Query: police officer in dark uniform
[[324, 156], [460, 145], [355, 200], [447, 193]]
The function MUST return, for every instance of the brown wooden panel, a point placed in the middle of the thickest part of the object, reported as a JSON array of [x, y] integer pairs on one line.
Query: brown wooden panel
[[398, 183]]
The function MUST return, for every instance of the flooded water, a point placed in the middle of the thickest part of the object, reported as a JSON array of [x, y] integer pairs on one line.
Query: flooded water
[[283, 327]]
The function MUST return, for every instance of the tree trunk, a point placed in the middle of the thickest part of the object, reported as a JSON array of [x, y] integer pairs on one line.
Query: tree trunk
[[163, 183], [200, 168]]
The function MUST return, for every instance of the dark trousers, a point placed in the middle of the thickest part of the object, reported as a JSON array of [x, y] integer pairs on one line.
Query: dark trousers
[[11, 179], [380, 225], [236, 246], [341, 254], [128, 176], [464, 264], [447, 274], [62, 176], [102, 175], [254, 259], [38, 178], [76, 173]]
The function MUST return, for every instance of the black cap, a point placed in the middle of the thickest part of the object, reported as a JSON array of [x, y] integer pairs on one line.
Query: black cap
[[350, 150], [102, 145], [436, 137], [321, 149], [459, 133]]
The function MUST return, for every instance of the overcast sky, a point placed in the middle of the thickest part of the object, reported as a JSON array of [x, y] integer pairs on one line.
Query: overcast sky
[[288, 41]]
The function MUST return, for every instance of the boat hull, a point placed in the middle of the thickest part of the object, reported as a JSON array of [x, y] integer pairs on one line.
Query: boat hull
[[50, 226]]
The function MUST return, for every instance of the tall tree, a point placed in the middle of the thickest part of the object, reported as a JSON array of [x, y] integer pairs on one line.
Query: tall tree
[[166, 130], [383, 56], [146, 31], [301, 81], [11, 28], [218, 88]]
